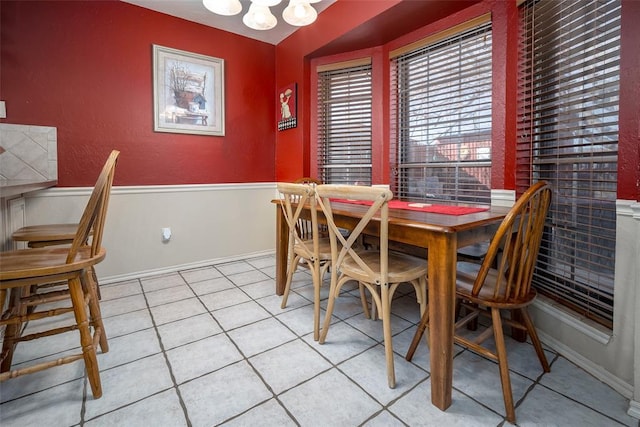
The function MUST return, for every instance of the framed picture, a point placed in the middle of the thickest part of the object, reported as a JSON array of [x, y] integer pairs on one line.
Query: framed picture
[[287, 100], [188, 92]]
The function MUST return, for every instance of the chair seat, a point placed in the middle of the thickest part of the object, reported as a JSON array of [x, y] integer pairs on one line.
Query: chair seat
[[402, 267], [475, 252], [45, 235], [324, 249], [44, 262], [466, 275]]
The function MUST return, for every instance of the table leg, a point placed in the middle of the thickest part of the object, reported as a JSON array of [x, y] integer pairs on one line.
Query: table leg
[[442, 285], [282, 242]]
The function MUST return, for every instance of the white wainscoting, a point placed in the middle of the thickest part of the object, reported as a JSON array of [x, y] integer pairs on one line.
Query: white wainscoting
[[219, 222], [613, 356], [209, 223]]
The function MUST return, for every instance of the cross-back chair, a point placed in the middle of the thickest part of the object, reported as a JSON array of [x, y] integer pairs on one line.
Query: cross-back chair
[[70, 268], [380, 271], [304, 248], [502, 282]]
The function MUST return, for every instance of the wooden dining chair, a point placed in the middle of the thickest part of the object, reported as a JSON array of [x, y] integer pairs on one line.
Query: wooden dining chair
[[306, 249], [379, 270], [69, 267], [502, 282]]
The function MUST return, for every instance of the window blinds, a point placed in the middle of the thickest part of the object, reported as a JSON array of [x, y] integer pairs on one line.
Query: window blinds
[[568, 135], [441, 118], [344, 124]]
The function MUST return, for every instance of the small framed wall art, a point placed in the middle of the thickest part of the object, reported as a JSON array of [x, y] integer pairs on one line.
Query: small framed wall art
[[188, 92], [287, 107]]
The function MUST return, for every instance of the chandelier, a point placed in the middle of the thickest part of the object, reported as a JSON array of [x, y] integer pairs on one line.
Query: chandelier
[[259, 17]]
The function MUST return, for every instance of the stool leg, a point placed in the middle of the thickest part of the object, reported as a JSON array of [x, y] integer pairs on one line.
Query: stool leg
[[94, 279], [95, 316], [86, 341], [13, 330]]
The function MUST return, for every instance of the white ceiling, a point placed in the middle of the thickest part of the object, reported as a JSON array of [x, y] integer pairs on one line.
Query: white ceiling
[[193, 10]]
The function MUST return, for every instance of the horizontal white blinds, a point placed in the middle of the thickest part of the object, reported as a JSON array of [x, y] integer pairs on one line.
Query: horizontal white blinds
[[441, 115], [568, 135], [344, 125]]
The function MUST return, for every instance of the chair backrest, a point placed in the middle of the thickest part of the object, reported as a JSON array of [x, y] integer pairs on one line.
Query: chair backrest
[[294, 198], [304, 226], [94, 215], [513, 251], [307, 180], [378, 210]]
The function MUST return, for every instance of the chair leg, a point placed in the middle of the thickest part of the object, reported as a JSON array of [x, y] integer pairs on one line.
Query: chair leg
[[317, 282], [472, 325], [385, 299], [363, 300], [86, 341], [503, 364], [420, 286], [333, 294], [534, 339], [422, 326], [293, 264]]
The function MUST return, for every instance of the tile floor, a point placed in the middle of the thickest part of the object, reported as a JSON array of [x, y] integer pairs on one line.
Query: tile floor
[[211, 346]]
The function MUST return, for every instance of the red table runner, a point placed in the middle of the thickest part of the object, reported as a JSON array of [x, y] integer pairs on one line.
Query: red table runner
[[422, 207]]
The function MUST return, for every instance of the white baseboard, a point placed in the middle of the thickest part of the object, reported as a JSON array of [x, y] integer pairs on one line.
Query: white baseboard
[[634, 409], [174, 268], [622, 387]]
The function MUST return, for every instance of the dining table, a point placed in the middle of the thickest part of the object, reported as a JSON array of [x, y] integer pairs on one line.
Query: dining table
[[441, 230]]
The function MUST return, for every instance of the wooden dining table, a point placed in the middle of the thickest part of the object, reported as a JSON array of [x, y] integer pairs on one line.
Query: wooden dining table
[[442, 235]]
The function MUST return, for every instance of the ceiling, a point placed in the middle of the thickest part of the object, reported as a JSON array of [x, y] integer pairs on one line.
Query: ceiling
[[193, 10]]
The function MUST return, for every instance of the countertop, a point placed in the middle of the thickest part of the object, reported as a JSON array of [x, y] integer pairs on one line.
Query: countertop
[[15, 187]]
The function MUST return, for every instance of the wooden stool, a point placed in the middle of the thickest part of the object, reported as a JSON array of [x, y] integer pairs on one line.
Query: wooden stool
[[69, 267]]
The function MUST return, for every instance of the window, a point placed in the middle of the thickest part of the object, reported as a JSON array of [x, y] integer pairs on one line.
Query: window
[[441, 98], [568, 136], [344, 123]]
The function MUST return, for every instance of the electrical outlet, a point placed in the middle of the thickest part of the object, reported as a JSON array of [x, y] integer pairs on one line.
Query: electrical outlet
[[166, 234]]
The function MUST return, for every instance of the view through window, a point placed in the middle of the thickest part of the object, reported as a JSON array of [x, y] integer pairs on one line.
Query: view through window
[[344, 124], [441, 110], [568, 136]]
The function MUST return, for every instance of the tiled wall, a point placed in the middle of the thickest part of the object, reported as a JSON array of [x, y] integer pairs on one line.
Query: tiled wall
[[28, 152]]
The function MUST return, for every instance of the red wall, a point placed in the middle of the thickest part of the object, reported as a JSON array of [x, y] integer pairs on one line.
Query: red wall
[[85, 67], [629, 120], [293, 147], [293, 65]]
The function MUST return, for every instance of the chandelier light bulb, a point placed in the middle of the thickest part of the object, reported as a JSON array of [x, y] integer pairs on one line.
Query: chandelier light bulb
[[259, 17], [223, 7], [299, 13]]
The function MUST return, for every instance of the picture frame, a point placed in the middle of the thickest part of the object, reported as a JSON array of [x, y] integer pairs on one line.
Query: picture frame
[[188, 92], [287, 105]]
